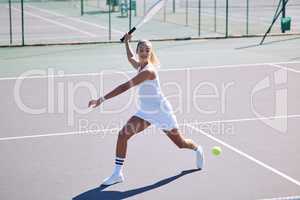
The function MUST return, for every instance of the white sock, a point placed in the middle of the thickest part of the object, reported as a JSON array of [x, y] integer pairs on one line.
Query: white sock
[[118, 165]]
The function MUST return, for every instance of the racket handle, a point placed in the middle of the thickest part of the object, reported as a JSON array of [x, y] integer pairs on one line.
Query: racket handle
[[130, 32]]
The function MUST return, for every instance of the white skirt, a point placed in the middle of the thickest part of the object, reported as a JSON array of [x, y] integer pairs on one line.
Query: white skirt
[[159, 114]]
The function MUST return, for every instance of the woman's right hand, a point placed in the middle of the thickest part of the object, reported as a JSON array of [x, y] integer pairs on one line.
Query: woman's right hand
[[127, 37]]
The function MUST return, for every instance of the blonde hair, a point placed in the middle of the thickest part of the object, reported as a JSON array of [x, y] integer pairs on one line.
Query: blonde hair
[[153, 58]]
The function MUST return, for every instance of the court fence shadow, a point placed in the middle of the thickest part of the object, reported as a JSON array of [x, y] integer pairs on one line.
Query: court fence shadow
[[99, 193]]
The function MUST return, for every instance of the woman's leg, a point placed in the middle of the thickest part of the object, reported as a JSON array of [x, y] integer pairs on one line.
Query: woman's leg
[[133, 126], [179, 140], [182, 142]]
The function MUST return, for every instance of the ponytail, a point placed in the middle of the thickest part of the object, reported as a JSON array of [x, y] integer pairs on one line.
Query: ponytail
[[153, 58]]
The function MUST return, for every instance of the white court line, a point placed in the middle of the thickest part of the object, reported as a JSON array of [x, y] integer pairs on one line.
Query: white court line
[[57, 23], [249, 157], [160, 70], [58, 134], [244, 119], [75, 19], [116, 129], [285, 68], [284, 198]]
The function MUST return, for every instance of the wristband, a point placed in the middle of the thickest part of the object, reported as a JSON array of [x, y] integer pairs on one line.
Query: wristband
[[102, 99]]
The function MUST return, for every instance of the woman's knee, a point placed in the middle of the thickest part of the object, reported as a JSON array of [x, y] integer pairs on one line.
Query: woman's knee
[[124, 135], [180, 144]]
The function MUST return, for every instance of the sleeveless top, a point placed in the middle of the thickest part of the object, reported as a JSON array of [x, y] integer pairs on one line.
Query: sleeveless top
[[153, 106], [150, 94]]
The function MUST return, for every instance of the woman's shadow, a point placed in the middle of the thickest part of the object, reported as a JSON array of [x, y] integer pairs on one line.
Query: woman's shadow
[[99, 194]]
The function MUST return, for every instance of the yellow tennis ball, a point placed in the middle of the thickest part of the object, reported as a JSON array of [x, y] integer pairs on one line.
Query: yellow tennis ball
[[216, 150]]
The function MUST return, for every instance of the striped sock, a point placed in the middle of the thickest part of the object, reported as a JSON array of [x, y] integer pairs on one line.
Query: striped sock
[[118, 165]]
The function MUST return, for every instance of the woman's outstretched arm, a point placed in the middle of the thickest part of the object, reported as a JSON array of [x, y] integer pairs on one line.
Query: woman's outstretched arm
[[139, 78]]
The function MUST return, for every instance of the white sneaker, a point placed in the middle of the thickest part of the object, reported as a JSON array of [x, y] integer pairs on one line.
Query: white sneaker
[[199, 157], [113, 179]]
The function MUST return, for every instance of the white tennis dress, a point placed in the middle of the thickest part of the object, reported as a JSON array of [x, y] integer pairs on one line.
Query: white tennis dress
[[153, 106]]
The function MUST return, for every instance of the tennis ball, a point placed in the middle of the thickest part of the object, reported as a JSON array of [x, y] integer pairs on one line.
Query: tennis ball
[[216, 150]]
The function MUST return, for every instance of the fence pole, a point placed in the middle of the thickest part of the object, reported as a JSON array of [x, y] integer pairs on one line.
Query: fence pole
[[129, 15], [109, 20], [215, 15], [283, 13], [22, 19], [226, 31], [174, 8], [81, 7], [247, 18], [144, 7], [165, 13], [10, 22], [199, 17], [186, 12]]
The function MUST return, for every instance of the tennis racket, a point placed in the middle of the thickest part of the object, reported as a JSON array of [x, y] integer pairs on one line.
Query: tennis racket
[[150, 13]]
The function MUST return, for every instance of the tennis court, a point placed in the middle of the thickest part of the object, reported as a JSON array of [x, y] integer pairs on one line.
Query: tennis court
[[228, 93]]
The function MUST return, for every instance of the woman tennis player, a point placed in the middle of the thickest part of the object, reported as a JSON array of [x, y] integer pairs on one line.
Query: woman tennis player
[[154, 108]]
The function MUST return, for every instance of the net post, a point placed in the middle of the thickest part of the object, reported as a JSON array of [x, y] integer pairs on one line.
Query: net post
[[10, 22], [226, 31], [22, 19]]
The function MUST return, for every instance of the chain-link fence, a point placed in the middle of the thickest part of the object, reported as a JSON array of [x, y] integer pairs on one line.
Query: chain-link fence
[[82, 21]]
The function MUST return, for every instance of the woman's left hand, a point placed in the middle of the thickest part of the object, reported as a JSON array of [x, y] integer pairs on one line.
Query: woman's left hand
[[94, 103]]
